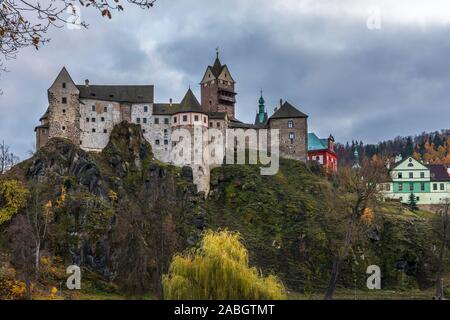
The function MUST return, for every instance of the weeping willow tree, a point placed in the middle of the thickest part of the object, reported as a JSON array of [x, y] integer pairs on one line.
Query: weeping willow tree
[[219, 270]]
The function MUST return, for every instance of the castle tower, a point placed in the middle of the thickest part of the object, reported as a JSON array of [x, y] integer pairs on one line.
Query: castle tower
[[63, 114], [261, 115], [217, 89]]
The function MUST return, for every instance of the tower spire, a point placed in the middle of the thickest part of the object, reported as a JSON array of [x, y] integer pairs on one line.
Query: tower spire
[[217, 52]]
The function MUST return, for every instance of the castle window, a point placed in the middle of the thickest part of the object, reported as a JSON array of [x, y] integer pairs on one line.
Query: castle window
[[165, 130], [87, 119], [156, 120], [93, 130], [93, 108], [291, 136], [185, 118], [290, 124], [157, 142], [64, 85], [145, 109], [111, 96], [64, 100], [81, 142], [138, 120], [64, 128], [174, 119], [195, 118], [144, 120], [143, 130], [103, 119], [93, 119], [105, 109], [166, 120], [64, 110], [105, 131], [166, 142]]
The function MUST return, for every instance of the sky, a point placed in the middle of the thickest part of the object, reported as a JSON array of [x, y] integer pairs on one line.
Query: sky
[[362, 70]]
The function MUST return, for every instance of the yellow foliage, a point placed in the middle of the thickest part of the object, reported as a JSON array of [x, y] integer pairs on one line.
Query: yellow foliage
[[219, 270], [112, 195], [13, 197], [17, 290], [367, 215], [53, 292], [62, 198]]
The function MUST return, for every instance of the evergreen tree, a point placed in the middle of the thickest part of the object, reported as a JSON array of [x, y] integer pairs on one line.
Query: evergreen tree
[[412, 203]]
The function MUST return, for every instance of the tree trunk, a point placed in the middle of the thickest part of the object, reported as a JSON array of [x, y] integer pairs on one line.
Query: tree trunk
[[27, 285], [37, 259], [337, 263]]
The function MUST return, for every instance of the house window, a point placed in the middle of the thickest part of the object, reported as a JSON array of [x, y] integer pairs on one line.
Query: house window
[[64, 85], [195, 118], [418, 198], [174, 119], [93, 108], [105, 131], [166, 120], [204, 119], [93, 130], [400, 187], [388, 187], [105, 109], [400, 175], [401, 199], [184, 118], [422, 175], [145, 109], [138, 120], [291, 136], [93, 119], [411, 175], [441, 187], [166, 142], [290, 124], [64, 100], [218, 124], [210, 124], [410, 165], [103, 119], [435, 186], [144, 120], [422, 186], [156, 120], [157, 142], [411, 187]]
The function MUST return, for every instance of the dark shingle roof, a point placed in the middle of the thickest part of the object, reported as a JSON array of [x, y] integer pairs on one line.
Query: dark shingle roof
[[133, 94], [288, 111], [217, 68], [165, 108], [45, 116], [438, 172], [217, 115], [190, 103]]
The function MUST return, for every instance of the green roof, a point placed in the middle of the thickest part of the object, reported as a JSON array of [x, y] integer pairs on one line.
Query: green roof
[[314, 143]]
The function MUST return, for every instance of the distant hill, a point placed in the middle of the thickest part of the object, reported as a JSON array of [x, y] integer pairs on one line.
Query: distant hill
[[432, 147]]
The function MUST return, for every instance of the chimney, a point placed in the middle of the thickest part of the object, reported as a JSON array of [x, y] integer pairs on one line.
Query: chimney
[[170, 101], [86, 83], [281, 103], [448, 171]]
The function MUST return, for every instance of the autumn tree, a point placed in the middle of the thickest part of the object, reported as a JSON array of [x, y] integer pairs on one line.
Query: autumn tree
[[7, 158], [13, 197], [218, 270], [354, 193], [25, 23]]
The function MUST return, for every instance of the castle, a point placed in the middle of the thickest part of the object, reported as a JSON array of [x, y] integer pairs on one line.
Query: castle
[[86, 115]]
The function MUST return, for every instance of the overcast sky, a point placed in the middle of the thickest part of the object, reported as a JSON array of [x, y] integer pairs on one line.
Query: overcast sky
[[356, 82]]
